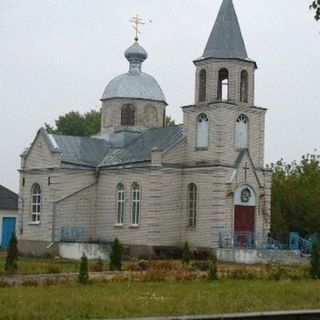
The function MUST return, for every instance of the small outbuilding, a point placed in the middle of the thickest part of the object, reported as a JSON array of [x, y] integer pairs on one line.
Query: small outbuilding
[[8, 215]]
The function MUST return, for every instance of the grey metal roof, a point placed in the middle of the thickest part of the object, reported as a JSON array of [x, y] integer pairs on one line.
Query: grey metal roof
[[136, 52], [136, 85], [140, 150], [225, 41], [83, 151], [8, 199]]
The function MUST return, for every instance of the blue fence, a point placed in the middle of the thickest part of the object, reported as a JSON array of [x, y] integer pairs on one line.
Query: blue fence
[[248, 240], [254, 240], [73, 233]]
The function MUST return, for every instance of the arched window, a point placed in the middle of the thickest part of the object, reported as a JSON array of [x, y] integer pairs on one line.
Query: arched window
[[202, 131], [35, 203], [244, 86], [242, 132], [223, 85], [192, 204], [135, 189], [202, 85], [128, 115], [120, 203]]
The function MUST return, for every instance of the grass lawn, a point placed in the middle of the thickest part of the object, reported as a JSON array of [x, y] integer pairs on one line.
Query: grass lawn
[[156, 298], [30, 265]]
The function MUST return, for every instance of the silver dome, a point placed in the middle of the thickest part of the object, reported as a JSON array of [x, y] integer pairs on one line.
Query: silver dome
[[134, 84], [136, 52]]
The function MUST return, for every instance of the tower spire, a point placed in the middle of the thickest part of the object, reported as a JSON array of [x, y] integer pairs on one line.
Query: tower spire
[[225, 41]]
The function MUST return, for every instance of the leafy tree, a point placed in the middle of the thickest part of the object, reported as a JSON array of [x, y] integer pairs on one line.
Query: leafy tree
[[11, 265], [185, 259], [76, 124], [83, 272], [116, 255], [315, 260], [169, 121], [315, 5], [295, 205]]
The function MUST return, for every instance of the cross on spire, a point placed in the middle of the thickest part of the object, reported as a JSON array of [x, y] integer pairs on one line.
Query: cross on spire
[[246, 168], [136, 21]]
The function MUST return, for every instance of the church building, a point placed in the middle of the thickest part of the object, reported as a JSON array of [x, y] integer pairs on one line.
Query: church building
[[149, 185]]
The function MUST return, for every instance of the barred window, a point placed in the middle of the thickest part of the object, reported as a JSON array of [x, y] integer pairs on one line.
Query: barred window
[[135, 204], [120, 203], [35, 203], [128, 115], [192, 204]]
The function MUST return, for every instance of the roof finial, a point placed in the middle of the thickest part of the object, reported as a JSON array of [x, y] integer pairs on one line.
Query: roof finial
[[137, 21]]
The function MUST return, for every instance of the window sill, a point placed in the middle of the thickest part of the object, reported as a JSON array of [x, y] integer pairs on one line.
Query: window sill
[[35, 223], [118, 225], [134, 226], [201, 149]]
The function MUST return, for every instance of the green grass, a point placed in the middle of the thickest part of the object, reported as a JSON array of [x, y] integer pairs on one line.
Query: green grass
[[156, 299], [28, 265]]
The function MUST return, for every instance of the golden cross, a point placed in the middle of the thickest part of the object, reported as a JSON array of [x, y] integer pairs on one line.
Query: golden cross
[[136, 20]]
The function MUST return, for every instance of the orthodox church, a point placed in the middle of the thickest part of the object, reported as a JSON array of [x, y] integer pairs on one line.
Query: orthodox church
[[149, 185]]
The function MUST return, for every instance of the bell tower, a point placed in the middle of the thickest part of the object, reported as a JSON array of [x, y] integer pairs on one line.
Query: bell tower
[[225, 72]]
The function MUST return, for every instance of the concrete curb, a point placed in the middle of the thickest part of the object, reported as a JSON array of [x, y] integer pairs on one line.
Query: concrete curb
[[287, 315]]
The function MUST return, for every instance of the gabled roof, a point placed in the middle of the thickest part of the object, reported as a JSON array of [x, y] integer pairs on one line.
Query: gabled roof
[[86, 152], [8, 199], [226, 41], [83, 151], [140, 149]]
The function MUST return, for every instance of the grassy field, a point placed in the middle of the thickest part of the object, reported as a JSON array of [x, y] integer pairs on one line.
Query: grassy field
[[156, 298]]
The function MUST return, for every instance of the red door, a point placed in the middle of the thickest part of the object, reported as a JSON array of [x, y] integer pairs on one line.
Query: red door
[[244, 226]]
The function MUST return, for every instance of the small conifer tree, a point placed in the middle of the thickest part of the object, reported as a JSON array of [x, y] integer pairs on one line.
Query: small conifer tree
[[315, 260], [115, 255], [185, 259], [83, 272], [11, 265], [213, 268]]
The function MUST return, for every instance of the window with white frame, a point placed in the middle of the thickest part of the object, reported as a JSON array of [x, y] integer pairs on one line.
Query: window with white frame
[[192, 204], [202, 131], [35, 203], [135, 189], [242, 132], [120, 203]]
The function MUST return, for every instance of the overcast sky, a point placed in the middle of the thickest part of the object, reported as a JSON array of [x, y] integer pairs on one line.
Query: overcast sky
[[59, 55]]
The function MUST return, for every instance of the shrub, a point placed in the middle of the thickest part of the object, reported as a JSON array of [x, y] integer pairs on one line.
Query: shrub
[[143, 264], [83, 272], [201, 265], [115, 256], [11, 265], [315, 260], [185, 259], [98, 266], [213, 268], [54, 268]]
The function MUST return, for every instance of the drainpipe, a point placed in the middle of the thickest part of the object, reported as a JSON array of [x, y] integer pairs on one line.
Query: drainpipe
[[21, 214]]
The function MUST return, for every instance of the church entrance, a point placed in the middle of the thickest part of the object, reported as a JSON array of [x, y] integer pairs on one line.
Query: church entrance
[[244, 217]]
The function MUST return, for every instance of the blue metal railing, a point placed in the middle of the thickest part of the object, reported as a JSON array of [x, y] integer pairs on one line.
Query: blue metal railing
[[73, 233]]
